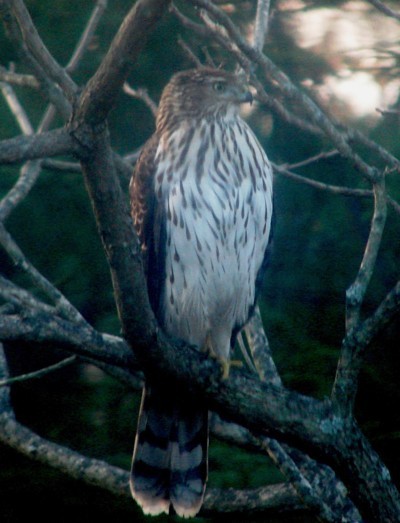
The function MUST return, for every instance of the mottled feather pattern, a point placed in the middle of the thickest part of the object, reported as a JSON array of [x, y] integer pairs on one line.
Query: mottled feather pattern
[[216, 244], [201, 199]]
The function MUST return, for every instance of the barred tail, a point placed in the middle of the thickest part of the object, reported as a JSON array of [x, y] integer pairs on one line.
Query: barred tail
[[169, 464]]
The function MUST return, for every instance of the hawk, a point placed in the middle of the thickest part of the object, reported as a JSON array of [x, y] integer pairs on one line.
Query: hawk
[[201, 199]]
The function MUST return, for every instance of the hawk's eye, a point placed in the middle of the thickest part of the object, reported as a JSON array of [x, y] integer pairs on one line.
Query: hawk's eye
[[219, 87]]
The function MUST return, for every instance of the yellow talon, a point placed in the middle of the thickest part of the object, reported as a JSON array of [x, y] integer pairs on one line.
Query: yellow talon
[[226, 367], [226, 364]]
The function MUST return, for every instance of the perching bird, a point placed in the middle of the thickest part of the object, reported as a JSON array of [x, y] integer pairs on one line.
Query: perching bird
[[201, 198]]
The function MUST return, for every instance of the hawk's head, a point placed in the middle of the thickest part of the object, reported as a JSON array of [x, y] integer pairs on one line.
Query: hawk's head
[[199, 93]]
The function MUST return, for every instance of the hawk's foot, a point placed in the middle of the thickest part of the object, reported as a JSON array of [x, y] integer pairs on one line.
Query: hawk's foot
[[226, 364], [226, 367]]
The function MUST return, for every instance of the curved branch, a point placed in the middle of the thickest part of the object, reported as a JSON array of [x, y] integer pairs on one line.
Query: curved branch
[[272, 499], [346, 380], [356, 292], [42, 145], [81, 339], [39, 51], [59, 300], [103, 88], [87, 35]]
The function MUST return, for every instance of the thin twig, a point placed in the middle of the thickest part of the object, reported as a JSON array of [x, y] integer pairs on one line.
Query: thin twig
[[384, 9], [188, 52], [30, 171], [312, 159], [385, 112], [333, 189], [38, 373], [87, 35], [16, 108], [62, 304], [23, 80], [143, 95], [383, 315]]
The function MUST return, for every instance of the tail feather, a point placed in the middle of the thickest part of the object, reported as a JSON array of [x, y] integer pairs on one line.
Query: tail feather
[[170, 457]]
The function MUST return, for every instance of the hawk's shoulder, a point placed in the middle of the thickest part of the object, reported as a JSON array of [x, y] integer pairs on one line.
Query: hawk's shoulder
[[141, 188], [148, 219]]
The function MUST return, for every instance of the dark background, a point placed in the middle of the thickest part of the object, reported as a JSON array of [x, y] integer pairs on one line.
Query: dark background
[[319, 241]]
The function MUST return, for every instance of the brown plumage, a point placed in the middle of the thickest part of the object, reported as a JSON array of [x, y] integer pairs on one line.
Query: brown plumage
[[201, 198]]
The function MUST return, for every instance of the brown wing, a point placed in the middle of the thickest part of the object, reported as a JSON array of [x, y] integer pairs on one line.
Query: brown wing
[[149, 221]]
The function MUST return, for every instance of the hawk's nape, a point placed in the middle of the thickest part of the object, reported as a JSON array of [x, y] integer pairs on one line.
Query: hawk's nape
[[201, 198]]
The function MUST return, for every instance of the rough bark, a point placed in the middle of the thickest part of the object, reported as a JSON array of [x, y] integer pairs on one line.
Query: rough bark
[[326, 430]]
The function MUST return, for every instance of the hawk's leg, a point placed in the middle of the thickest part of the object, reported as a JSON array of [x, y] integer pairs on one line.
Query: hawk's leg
[[225, 363]]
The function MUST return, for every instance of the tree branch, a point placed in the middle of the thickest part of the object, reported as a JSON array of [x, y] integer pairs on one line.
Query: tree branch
[[356, 292], [102, 89], [384, 9], [16, 108], [273, 74], [47, 144], [345, 385], [314, 426], [271, 499], [38, 326], [141, 94], [121, 244], [333, 189], [39, 51], [87, 35], [261, 24], [38, 373], [61, 303], [23, 80]]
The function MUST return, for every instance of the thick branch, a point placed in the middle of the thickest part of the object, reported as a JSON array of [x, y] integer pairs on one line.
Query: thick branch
[[273, 499], [23, 148], [120, 243], [103, 88], [80, 339]]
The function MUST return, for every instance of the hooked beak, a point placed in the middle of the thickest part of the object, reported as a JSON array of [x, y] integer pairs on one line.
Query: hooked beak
[[245, 96]]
